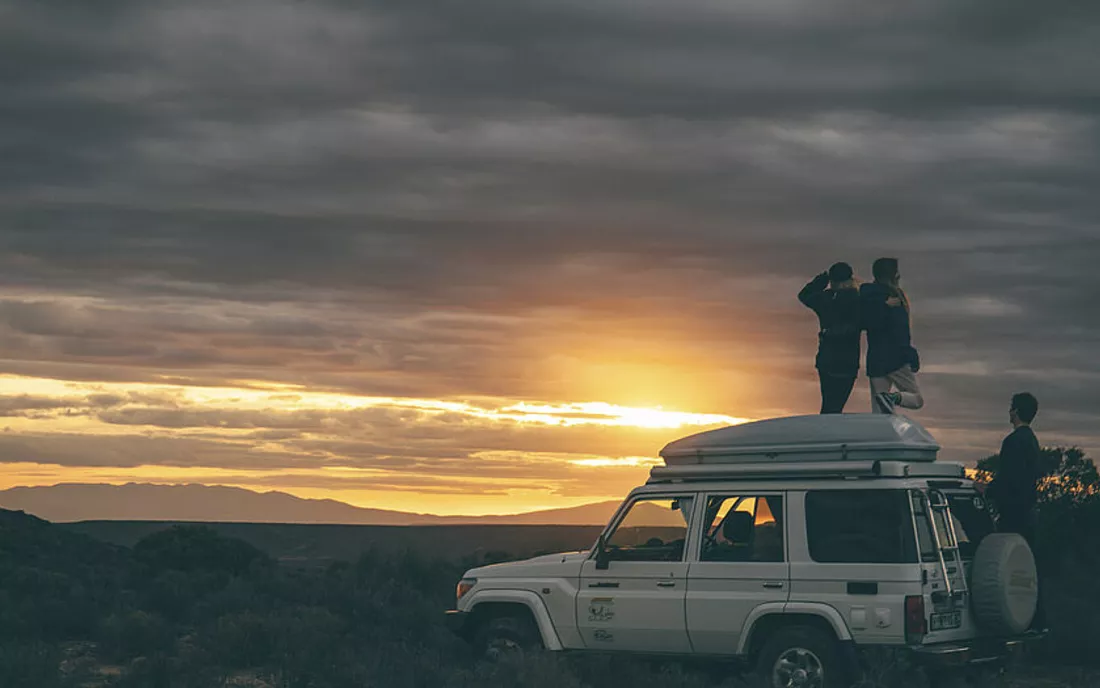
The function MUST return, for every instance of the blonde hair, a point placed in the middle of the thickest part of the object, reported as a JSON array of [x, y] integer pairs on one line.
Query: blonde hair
[[900, 293], [852, 283]]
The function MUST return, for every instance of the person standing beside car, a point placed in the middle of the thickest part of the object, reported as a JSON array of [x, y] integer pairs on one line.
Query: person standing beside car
[[1015, 488], [834, 297], [892, 361]]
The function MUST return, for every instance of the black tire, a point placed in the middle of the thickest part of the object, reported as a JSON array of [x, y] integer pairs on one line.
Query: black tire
[[813, 656], [500, 638]]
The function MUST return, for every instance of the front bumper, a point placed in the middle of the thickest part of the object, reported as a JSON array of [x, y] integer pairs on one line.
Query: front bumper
[[982, 651], [457, 621]]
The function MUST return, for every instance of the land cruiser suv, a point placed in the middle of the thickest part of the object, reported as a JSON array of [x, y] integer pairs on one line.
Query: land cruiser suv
[[790, 543]]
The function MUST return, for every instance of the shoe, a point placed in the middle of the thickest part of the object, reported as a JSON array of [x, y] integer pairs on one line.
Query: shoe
[[886, 401]]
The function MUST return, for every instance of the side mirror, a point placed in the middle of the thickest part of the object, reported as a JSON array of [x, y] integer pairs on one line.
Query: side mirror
[[603, 562]]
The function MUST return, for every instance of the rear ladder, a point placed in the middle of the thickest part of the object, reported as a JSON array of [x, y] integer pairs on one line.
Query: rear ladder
[[938, 504]]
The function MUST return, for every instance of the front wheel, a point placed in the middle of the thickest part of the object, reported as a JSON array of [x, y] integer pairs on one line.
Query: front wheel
[[504, 637], [801, 657]]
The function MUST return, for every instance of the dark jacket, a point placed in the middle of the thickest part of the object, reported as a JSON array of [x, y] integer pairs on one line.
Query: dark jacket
[[888, 339], [1014, 490], [838, 315]]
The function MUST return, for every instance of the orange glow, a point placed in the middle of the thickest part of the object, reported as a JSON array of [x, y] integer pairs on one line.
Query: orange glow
[[288, 424]]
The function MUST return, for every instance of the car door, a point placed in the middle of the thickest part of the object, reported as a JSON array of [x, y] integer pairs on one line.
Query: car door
[[742, 564], [636, 604]]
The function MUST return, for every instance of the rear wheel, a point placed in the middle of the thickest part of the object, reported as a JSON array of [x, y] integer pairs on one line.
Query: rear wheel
[[502, 637], [801, 657]]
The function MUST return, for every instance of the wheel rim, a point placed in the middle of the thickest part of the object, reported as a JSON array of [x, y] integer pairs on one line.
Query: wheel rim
[[499, 647], [798, 668]]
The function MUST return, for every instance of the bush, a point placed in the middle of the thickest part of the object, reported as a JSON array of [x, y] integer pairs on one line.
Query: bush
[[134, 633], [198, 548], [33, 665]]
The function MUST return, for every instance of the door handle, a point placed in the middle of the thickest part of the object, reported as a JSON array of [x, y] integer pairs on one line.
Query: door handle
[[603, 585], [666, 584], [773, 585]]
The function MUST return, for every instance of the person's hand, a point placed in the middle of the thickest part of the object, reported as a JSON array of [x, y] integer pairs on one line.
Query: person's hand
[[893, 301]]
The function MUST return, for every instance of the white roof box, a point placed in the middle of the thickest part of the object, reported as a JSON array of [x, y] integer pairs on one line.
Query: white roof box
[[839, 437]]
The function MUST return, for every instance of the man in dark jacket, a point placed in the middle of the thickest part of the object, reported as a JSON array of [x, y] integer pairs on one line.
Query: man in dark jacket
[[834, 297], [1015, 489], [892, 361]]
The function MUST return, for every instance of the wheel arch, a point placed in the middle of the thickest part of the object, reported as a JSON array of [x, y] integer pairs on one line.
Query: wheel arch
[[488, 604], [766, 619]]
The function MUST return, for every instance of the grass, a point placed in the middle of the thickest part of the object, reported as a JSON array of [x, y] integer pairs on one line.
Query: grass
[[189, 609]]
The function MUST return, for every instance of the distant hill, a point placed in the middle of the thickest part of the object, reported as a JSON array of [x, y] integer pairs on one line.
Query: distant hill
[[72, 502]]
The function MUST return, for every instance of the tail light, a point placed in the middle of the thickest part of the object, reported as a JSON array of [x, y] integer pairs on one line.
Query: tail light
[[464, 586], [915, 623]]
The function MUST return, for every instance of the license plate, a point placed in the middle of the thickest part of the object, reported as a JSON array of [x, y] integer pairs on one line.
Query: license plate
[[943, 622]]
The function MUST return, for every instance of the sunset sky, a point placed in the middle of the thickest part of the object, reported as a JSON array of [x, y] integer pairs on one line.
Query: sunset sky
[[485, 257]]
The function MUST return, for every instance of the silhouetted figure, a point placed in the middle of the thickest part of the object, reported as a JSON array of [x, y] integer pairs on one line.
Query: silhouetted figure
[[892, 362], [834, 297], [1015, 489]]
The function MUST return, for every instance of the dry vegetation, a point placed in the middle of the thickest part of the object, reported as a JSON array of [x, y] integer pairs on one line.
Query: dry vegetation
[[189, 608]]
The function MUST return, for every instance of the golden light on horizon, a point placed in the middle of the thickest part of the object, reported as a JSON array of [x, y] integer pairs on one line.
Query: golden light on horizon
[[508, 455], [600, 413], [629, 462], [271, 397]]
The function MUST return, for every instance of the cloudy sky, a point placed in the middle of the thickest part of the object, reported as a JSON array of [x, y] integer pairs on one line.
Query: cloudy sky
[[451, 256]]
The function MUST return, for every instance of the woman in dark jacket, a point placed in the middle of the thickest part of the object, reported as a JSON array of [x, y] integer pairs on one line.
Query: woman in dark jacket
[[834, 297], [892, 362]]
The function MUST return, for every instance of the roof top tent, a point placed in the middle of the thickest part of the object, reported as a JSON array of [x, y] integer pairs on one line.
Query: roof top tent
[[825, 445]]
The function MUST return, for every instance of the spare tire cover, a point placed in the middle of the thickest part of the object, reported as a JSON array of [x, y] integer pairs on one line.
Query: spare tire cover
[[1004, 584]]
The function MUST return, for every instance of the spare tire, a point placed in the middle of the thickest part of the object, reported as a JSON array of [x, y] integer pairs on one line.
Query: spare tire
[[1004, 584]]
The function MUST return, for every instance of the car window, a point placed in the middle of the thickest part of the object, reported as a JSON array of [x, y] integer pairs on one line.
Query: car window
[[972, 521], [969, 516], [926, 540], [653, 529], [743, 528], [860, 527]]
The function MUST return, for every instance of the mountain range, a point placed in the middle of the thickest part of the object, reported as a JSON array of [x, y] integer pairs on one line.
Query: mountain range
[[73, 502]]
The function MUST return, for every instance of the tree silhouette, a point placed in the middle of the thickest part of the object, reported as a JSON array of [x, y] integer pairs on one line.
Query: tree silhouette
[[1069, 477]]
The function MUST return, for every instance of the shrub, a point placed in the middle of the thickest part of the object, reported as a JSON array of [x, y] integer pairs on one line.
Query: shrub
[[198, 548], [134, 633]]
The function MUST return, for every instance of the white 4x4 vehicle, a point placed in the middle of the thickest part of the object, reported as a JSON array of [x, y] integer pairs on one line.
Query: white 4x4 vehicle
[[789, 543]]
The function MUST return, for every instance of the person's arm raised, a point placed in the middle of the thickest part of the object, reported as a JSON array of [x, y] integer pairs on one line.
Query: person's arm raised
[[811, 293]]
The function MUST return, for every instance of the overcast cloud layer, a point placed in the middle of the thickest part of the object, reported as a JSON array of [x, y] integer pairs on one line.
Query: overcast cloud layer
[[535, 200]]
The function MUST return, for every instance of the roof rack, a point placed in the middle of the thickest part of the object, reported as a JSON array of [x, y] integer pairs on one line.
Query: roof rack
[[802, 470]]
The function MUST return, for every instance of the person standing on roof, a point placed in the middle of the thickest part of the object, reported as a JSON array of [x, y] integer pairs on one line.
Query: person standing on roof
[[892, 361], [1015, 489], [834, 297]]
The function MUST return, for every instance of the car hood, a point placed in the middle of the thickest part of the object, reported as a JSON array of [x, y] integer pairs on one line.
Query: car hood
[[566, 563]]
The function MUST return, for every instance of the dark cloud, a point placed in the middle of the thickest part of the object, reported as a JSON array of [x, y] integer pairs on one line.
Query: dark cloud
[[547, 200]]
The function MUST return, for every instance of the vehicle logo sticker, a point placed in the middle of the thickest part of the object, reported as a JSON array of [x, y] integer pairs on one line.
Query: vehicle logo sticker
[[601, 610], [603, 636]]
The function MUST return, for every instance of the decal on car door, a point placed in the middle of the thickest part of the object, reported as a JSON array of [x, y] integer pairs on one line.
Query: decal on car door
[[601, 610]]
